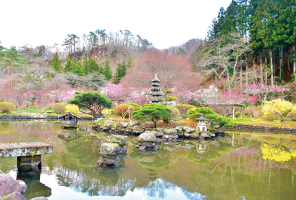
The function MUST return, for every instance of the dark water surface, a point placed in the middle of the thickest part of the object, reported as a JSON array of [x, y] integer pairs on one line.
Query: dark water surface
[[237, 166]]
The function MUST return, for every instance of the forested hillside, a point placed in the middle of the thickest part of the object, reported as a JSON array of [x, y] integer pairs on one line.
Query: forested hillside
[[267, 28]]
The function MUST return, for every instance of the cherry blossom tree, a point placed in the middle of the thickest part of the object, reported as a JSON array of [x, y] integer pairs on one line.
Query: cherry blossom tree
[[170, 69]]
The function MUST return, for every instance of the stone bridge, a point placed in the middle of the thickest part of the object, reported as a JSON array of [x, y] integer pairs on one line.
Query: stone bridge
[[28, 155]]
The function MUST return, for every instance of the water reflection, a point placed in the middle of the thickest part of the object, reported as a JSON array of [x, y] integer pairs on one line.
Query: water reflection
[[237, 166], [69, 134], [34, 187]]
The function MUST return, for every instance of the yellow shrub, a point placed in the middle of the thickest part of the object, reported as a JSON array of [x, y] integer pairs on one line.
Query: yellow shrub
[[123, 110], [6, 107], [58, 108], [106, 111], [278, 107], [72, 108]]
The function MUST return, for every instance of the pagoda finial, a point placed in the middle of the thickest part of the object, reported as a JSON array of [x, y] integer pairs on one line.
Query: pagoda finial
[[155, 76]]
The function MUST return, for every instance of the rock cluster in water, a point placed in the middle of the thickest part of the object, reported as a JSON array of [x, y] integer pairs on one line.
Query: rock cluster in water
[[147, 140], [109, 153], [120, 140], [11, 189]]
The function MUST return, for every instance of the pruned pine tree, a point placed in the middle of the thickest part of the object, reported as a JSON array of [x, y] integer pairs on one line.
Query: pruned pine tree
[[56, 63], [107, 70]]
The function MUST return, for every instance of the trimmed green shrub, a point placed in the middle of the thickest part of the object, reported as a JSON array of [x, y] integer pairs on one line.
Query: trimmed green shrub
[[153, 112], [216, 119]]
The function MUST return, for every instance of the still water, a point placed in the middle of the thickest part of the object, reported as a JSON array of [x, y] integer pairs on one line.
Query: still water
[[236, 166]]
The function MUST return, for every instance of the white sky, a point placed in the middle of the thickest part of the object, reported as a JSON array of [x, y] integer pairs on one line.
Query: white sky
[[163, 22]]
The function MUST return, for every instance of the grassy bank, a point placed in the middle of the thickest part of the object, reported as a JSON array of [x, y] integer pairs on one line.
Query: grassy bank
[[260, 122]]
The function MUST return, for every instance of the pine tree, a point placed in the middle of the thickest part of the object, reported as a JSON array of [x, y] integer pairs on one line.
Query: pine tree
[[85, 64], [92, 66], [79, 68], [107, 71], [56, 63], [100, 69], [123, 69], [129, 63], [68, 66], [117, 76]]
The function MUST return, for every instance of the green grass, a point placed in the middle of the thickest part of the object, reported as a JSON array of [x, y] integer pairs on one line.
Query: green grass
[[260, 122]]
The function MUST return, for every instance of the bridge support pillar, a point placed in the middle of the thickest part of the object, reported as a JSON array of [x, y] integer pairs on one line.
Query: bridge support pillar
[[29, 164]]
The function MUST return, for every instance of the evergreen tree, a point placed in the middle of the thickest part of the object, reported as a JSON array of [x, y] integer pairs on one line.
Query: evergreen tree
[[85, 64], [100, 70], [68, 66], [73, 64], [79, 68], [117, 76], [123, 69], [230, 23], [129, 63], [56, 63], [92, 66], [107, 70]]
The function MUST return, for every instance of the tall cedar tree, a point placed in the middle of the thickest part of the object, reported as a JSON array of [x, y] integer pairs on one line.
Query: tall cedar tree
[[56, 63], [79, 68], [68, 65], [107, 71], [120, 72], [85, 65], [129, 63], [92, 66]]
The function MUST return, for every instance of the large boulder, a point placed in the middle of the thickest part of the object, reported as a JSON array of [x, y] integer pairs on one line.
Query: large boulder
[[14, 196], [109, 162], [158, 133], [170, 137], [189, 130], [109, 150], [133, 123], [186, 134], [170, 131], [9, 185], [109, 123], [147, 136], [118, 139], [138, 130], [179, 128], [122, 124], [194, 136]]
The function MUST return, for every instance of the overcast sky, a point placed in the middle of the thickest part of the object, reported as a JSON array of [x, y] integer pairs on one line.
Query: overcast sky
[[163, 22]]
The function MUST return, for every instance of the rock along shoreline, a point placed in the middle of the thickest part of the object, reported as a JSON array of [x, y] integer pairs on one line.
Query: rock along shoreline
[[271, 129]]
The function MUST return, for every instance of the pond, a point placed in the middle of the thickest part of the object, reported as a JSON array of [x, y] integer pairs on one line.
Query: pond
[[236, 166]]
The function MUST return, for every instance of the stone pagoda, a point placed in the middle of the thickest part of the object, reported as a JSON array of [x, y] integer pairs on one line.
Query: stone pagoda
[[156, 92]]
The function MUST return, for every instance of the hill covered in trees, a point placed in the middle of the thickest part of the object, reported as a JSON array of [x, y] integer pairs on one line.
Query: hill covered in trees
[[267, 27]]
